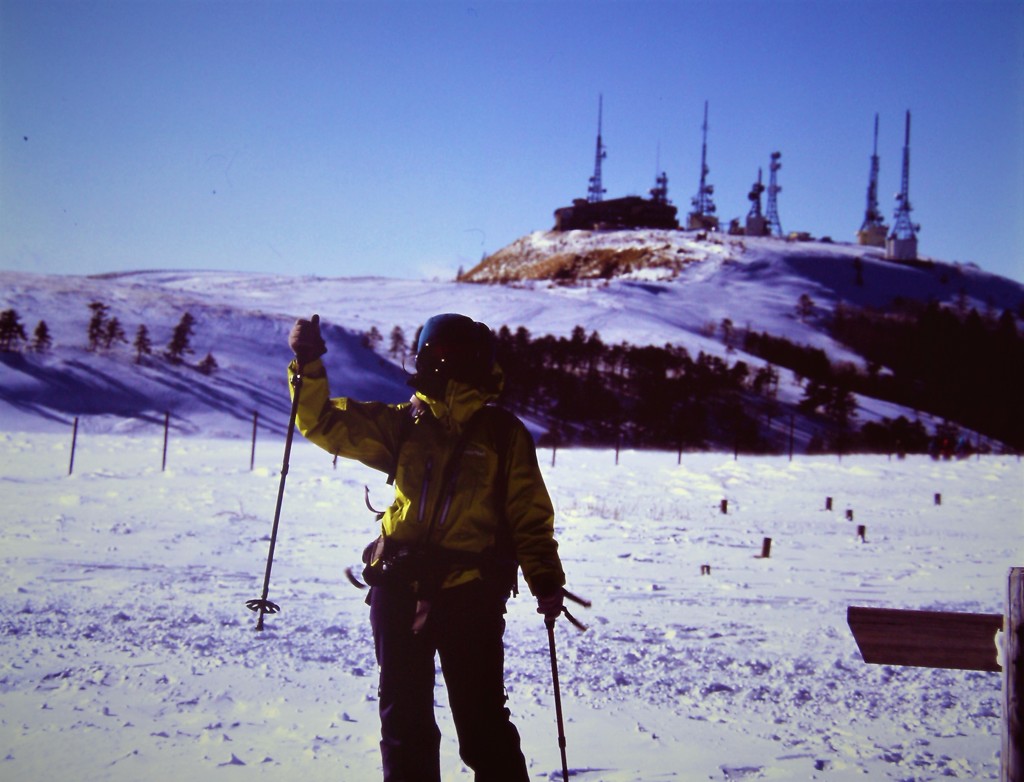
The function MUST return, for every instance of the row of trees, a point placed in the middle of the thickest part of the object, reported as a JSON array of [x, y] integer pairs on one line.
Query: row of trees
[[957, 364], [12, 334], [593, 392], [104, 332], [951, 362], [590, 392]]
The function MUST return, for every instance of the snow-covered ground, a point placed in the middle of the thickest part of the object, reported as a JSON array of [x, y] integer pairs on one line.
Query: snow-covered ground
[[128, 653]]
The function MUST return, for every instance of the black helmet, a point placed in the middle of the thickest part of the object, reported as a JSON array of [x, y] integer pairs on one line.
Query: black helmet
[[453, 347]]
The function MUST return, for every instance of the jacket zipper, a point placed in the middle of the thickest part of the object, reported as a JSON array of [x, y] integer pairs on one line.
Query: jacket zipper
[[424, 491]]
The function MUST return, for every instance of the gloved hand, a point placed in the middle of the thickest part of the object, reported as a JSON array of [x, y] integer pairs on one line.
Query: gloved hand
[[550, 604], [305, 340]]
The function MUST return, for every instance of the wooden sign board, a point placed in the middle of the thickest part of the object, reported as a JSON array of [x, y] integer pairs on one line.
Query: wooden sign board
[[929, 639]]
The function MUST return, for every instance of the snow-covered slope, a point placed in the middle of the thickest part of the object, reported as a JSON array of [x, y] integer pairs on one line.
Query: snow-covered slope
[[128, 653], [243, 319]]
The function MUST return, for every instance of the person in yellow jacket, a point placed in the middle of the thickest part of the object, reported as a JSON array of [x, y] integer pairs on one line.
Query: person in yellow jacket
[[470, 503]]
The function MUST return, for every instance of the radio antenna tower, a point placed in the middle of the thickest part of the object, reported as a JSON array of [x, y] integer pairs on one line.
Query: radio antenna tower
[[873, 229], [756, 223], [774, 226], [703, 214], [902, 242], [596, 191]]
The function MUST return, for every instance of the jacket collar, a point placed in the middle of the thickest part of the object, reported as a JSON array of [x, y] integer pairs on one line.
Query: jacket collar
[[460, 402]]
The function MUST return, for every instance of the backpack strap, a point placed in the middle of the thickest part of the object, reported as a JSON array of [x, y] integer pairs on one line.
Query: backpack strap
[[404, 430], [505, 566]]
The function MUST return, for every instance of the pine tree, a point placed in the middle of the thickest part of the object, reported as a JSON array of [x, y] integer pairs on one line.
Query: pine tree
[[208, 365], [179, 344], [399, 347], [113, 332], [804, 307], [97, 323], [372, 338], [142, 344], [41, 340], [11, 331]]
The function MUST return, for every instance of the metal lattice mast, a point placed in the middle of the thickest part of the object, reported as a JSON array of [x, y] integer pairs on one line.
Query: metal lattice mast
[[755, 199], [902, 228], [872, 214], [659, 193], [703, 206], [596, 191], [774, 225]]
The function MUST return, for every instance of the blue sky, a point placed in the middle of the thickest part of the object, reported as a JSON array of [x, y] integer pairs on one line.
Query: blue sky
[[407, 139]]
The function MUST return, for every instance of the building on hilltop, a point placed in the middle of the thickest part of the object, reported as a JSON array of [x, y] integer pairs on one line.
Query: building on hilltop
[[595, 213]]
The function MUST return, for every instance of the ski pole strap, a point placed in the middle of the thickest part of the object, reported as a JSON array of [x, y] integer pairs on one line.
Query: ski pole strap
[[574, 621], [576, 598]]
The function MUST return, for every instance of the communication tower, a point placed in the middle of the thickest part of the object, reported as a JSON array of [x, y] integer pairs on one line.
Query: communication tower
[[596, 191], [902, 242], [703, 214], [757, 225], [873, 229], [659, 193], [774, 226]]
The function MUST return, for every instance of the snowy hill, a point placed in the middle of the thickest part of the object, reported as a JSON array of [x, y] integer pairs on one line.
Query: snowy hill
[[130, 653], [640, 287]]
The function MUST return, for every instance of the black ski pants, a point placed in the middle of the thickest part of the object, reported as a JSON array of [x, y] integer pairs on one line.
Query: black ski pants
[[464, 628]]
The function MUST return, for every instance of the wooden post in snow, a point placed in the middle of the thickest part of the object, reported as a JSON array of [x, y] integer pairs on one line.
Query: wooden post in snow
[[74, 440], [1013, 681], [252, 454], [167, 428]]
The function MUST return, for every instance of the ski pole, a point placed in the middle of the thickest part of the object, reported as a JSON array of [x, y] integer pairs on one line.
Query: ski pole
[[550, 622], [263, 605]]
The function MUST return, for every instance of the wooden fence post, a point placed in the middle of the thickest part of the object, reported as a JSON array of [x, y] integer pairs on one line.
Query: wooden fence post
[[74, 440], [1013, 682], [766, 548], [167, 427], [252, 455]]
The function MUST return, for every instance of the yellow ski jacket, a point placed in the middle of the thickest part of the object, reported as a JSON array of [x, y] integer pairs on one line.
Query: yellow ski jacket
[[462, 517]]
